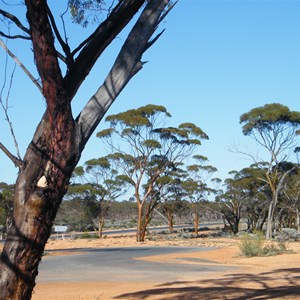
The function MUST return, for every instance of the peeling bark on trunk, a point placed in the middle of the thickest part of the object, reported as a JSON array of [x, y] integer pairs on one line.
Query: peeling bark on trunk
[[39, 189], [59, 140]]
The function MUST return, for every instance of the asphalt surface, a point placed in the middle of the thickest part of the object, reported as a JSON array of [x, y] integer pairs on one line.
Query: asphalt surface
[[119, 264]]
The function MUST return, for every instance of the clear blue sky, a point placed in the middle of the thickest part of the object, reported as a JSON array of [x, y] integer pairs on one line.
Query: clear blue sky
[[215, 61]]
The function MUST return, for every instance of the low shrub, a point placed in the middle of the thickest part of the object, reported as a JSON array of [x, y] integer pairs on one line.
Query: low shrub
[[87, 235], [288, 234], [253, 245]]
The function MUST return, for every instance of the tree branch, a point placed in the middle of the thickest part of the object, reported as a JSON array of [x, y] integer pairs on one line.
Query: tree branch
[[98, 42], [15, 36], [4, 106], [17, 162], [46, 57], [15, 20], [21, 65], [69, 58], [127, 61]]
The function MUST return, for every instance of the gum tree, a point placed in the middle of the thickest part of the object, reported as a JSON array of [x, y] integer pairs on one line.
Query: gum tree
[[146, 152], [196, 187], [104, 182], [60, 137], [171, 194], [274, 127], [244, 197], [291, 194]]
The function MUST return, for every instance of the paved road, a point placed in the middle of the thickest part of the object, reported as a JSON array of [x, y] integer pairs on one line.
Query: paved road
[[118, 264]]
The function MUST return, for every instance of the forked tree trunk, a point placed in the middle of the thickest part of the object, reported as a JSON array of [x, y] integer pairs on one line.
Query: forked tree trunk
[[145, 224], [170, 218], [143, 221], [40, 187], [273, 204], [59, 140], [234, 225]]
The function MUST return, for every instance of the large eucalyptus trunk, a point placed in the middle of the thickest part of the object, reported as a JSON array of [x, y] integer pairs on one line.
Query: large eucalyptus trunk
[[40, 187], [51, 157]]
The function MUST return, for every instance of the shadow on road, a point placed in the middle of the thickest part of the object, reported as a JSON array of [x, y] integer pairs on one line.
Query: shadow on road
[[278, 284]]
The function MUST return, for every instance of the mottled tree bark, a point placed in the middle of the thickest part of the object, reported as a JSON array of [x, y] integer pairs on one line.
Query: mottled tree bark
[[59, 139], [40, 187]]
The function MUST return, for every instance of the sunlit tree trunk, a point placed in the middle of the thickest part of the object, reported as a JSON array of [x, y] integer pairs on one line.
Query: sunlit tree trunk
[[145, 224], [196, 222], [139, 223], [101, 222], [51, 157], [40, 186], [170, 218], [269, 229]]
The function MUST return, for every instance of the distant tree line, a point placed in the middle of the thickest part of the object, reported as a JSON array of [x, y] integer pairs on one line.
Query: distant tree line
[[151, 161], [166, 182]]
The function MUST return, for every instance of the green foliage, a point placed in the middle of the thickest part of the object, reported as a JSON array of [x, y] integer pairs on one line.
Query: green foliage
[[196, 131], [146, 152], [200, 158], [265, 117], [137, 117], [3, 216], [101, 162], [274, 249], [105, 133], [152, 144], [78, 171], [253, 245], [81, 10], [87, 235], [6, 202]]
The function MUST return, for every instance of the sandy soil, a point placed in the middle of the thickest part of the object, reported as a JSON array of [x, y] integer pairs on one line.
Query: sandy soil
[[274, 277]]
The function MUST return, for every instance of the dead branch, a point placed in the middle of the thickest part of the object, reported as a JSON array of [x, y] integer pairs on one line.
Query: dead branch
[[19, 63], [12, 37], [15, 20], [65, 46], [17, 162]]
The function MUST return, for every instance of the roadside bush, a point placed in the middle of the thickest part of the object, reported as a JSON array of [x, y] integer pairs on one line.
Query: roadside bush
[[288, 234], [273, 249], [253, 245], [87, 235]]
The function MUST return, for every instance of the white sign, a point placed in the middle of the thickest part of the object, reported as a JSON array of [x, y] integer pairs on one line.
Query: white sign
[[60, 229]]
